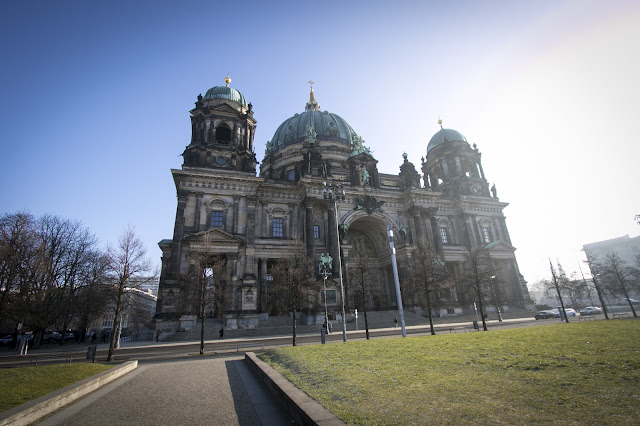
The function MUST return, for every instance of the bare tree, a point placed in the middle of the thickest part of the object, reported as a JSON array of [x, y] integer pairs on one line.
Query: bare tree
[[362, 280], [211, 277], [93, 294], [594, 268], [16, 243], [293, 279], [558, 281], [427, 278], [620, 276], [127, 260], [477, 275]]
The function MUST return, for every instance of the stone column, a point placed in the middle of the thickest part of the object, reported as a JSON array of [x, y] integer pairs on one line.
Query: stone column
[[258, 209], [178, 232], [417, 220], [308, 226], [196, 215], [333, 235], [503, 224], [471, 238], [236, 202], [437, 238]]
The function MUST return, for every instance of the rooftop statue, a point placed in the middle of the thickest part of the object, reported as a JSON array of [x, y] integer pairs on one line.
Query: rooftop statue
[[359, 148]]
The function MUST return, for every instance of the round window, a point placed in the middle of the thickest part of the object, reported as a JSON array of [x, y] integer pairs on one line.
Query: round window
[[221, 161]]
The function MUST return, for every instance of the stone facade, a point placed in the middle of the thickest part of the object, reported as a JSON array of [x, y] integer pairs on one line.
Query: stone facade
[[223, 208]]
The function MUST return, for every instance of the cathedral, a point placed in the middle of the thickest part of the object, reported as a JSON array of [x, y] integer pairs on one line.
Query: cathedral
[[320, 185]]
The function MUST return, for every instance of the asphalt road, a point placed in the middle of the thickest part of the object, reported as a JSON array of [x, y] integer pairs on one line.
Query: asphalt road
[[154, 352]]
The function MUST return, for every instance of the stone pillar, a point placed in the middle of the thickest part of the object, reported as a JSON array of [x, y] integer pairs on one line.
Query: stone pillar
[[292, 221], [197, 213], [417, 220], [236, 202], [251, 220], [471, 239], [433, 234], [308, 226], [333, 235], [437, 238], [503, 224], [178, 233], [258, 209]]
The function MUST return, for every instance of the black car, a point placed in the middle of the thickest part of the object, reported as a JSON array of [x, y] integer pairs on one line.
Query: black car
[[544, 315]]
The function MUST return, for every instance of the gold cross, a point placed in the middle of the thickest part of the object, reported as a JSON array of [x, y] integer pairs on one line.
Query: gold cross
[[311, 82]]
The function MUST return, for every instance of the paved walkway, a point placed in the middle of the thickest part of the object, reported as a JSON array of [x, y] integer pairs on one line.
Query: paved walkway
[[214, 391]]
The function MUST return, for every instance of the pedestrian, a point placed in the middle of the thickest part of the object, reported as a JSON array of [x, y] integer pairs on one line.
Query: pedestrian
[[395, 322], [104, 337], [94, 337], [158, 335], [221, 333]]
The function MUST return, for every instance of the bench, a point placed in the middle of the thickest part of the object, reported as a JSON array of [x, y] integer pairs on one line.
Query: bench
[[52, 359], [586, 318], [250, 345], [456, 329], [622, 315]]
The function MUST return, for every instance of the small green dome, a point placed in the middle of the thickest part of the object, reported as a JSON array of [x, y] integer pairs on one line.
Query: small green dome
[[225, 92], [445, 135]]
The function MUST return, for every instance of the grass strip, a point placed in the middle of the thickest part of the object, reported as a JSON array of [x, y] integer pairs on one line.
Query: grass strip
[[577, 373], [24, 384]]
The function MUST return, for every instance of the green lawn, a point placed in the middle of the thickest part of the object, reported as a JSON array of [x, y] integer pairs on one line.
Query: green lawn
[[577, 373], [20, 385]]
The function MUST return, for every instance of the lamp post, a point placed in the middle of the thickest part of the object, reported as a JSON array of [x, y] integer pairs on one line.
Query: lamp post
[[334, 192], [323, 271], [494, 290]]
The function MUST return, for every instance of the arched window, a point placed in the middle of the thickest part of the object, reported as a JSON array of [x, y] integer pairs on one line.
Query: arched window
[[223, 134]]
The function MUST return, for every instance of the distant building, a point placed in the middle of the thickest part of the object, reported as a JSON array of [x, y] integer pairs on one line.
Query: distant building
[[137, 315], [225, 209], [146, 284], [627, 249]]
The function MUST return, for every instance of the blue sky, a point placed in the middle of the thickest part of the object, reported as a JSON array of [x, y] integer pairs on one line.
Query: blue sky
[[95, 101]]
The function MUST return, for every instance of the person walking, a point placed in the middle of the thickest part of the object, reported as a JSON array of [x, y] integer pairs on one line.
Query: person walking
[[221, 333], [395, 322], [157, 335]]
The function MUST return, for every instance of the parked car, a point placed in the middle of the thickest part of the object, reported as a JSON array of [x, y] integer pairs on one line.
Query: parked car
[[6, 339], [51, 336], [570, 312], [544, 315], [590, 310], [632, 300]]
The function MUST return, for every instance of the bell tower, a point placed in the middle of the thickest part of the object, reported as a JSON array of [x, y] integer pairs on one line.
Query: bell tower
[[453, 167], [222, 132]]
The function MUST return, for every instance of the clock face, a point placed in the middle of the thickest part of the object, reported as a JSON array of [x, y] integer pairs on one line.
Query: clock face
[[221, 161]]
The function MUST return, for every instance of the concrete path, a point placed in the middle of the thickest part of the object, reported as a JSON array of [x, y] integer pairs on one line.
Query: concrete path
[[215, 391]]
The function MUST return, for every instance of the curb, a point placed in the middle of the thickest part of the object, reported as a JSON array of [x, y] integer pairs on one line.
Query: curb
[[31, 411], [301, 407]]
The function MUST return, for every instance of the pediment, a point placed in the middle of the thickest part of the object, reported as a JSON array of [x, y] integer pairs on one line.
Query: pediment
[[499, 246], [225, 108], [214, 237]]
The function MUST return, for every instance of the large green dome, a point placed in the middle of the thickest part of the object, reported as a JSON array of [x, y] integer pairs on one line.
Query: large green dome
[[327, 126], [445, 135], [225, 92], [324, 125]]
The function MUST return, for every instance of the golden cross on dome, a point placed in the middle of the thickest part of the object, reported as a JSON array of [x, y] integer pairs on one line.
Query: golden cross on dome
[[311, 82]]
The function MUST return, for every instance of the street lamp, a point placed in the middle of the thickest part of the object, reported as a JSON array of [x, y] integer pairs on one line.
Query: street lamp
[[336, 192], [495, 293], [325, 261]]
